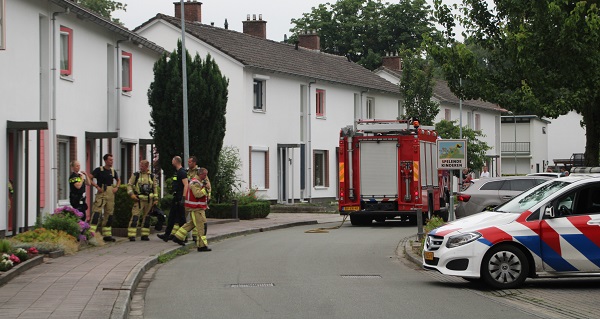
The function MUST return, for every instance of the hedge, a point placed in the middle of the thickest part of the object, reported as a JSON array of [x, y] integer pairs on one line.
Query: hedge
[[258, 209]]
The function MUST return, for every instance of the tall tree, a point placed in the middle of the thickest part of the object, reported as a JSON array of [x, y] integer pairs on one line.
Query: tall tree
[[539, 57], [104, 7], [207, 100], [476, 148], [354, 27], [416, 86]]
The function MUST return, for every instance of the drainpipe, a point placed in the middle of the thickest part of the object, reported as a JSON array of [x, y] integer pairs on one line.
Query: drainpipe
[[309, 145], [117, 149], [52, 189]]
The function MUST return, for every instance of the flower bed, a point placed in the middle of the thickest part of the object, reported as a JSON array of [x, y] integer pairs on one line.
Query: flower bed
[[13, 256]]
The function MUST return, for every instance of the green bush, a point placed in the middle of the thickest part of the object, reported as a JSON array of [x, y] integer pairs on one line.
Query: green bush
[[431, 224], [5, 246], [22, 254], [257, 209], [123, 205], [226, 181], [67, 223]]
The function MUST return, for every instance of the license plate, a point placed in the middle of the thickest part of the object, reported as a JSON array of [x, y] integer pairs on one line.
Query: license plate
[[351, 208], [428, 255]]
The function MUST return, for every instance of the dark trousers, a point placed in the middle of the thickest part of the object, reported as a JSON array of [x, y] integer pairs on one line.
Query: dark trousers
[[176, 216], [78, 202]]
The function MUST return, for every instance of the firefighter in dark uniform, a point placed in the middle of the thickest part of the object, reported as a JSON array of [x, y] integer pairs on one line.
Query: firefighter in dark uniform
[[105, 199], [177, 213], [77, 182]]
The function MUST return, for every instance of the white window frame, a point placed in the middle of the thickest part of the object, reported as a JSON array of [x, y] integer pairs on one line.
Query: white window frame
[[261, 182], [477, 122], [261, 80], [400, 109], [66, 33], [448, 114], [321, 158], [2, 24], [63, 167], [370, 108]]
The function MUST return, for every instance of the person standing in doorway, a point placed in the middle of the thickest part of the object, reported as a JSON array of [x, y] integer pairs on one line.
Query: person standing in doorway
[[177, 213], [104, 205], [77, 187]]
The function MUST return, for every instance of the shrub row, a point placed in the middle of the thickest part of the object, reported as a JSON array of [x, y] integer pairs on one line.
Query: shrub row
[[258, 209]]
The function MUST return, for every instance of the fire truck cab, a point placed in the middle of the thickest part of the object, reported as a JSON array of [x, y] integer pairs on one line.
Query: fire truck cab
[[388, 169]]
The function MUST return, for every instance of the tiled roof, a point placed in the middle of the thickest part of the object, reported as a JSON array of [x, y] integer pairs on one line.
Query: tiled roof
[[96, 18], [442, 92], [284, 58]]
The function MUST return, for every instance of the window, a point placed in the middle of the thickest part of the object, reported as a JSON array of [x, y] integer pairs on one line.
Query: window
[[66, 51], [370, 108], [492, 186], [2, 31], [126, 65], [447, 114], [477, 122], [259, 95], [63, 168], [517, 185], [321, 162], [400, 109], [470, 120], [320, 103], [259, 167]]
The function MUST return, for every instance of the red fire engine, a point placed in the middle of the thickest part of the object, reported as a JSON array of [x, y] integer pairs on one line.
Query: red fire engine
[[388, 169]]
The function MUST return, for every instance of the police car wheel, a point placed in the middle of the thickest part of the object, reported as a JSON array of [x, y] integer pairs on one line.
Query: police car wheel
[[504, 267]]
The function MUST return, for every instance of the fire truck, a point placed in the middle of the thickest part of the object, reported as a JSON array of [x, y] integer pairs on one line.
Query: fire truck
[[388, 170]]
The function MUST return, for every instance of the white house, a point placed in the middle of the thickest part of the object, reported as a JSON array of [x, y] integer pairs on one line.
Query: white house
[[566, 136], [476, 114], [286, 103], [73, 87], [524, 144]]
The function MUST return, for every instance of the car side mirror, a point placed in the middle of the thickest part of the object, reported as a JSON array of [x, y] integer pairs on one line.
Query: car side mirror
[[549, 211]]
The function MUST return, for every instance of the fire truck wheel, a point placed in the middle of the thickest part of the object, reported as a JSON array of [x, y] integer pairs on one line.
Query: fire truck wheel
[[360, 220], [504, 267]]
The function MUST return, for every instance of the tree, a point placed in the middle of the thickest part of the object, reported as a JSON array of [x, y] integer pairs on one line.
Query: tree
[[537, 57], [229, 182], [416, 86], [207, 100], [476, 149], [104, 7], [353, 27]]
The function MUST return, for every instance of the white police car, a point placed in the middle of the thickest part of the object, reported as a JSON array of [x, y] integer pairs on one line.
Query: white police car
[[550, 230]]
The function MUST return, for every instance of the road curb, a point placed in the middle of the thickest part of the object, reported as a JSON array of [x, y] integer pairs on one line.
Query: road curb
[[123, 302], [408, 252]]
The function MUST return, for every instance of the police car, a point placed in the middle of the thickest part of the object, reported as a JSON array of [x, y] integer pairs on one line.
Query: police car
[[551, 230]]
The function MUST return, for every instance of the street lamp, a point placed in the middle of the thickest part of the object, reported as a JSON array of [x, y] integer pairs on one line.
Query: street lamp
[[515, 145]]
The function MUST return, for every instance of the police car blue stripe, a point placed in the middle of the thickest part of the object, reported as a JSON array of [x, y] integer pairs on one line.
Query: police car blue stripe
[[484, 241], [549, 256], [585, 246]]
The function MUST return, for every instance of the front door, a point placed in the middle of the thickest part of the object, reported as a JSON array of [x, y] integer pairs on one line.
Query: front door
[[571, 239]]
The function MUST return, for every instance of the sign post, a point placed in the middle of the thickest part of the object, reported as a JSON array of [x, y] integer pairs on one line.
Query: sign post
[[452, 155]]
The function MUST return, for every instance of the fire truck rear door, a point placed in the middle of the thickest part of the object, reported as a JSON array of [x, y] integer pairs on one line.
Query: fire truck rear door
[[378, 169]]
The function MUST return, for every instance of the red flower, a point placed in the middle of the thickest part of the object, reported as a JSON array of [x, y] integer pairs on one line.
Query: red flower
[[32, 250], [15, 259]]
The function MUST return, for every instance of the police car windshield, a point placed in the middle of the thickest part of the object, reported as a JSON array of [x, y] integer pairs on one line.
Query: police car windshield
[[531, 197]]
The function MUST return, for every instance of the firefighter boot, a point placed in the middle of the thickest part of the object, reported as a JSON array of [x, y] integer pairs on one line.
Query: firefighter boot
[[131, 238], [164, 237], [204, 248], [145, 238]]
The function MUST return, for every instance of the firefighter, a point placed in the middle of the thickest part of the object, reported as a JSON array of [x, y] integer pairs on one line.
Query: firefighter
[[77, 182], [176, 214], [141, 188], [193, 172], [196, 202], [105, 199]]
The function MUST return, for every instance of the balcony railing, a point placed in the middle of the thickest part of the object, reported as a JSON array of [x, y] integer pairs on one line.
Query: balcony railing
[[518, 148]]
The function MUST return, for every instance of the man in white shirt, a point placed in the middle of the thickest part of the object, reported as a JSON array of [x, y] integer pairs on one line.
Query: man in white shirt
[[485, 173]]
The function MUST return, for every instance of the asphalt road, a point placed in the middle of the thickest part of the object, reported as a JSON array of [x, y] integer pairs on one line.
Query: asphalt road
[[352, 272]]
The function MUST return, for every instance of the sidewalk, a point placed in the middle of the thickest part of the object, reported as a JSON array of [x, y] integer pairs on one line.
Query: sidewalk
[[99, 282]]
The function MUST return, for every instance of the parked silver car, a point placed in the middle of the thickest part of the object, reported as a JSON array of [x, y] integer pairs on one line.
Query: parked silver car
[[487, 193]]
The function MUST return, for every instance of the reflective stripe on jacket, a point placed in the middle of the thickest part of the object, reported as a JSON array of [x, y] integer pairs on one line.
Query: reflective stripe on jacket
[[196, 195]]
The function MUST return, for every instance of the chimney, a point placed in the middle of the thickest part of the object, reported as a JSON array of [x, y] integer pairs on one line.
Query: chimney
[[309, 40], [257, 28], [392, 61], [192, 11]]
